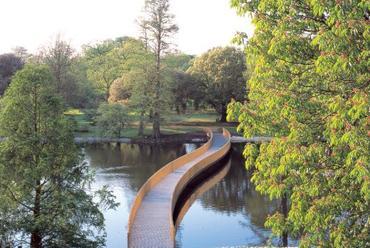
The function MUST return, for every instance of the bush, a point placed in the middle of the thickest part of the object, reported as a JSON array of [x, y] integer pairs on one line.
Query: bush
[[112, 119]]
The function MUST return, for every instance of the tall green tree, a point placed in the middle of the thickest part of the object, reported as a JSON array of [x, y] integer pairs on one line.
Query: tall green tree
[[178, 61], [159, 27], [84, 94], [185, 89], [136, 86], [43, 201], [221, 71], [105, 62], [309, 91]]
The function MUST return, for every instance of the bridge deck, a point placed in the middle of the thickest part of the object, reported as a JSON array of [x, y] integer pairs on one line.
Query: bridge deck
[[151, 226]]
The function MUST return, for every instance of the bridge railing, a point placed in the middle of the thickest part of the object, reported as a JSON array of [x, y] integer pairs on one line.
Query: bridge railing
[[162, 173]]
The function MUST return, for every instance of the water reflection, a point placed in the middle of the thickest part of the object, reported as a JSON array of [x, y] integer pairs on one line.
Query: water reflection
[[236, 194], [125, 168], [198, 186], [230, 213], [136, 162]]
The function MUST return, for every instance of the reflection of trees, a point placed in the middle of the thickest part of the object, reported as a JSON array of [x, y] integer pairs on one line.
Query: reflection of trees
[[199, 189], [134, 162], [256, 230], [147, 160], [197, 186], [236, 194]]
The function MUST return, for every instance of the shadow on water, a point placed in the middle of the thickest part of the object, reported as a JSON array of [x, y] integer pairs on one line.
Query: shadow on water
[[229, 213], [125, 169], [237, 194], [137, 162], [198, 185]]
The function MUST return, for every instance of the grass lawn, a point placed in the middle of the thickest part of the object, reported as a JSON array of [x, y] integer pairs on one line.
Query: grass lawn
[[172, 123]]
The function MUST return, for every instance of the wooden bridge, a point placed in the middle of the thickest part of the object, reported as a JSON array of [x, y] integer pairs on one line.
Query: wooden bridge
[[151, 221]]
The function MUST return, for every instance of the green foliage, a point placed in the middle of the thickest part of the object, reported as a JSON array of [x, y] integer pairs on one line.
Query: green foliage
[[84, 94], [69, 73], [43, 199], [185, 88], [105, 64], [112, 119], [178, 62], [221, 71], [135, 88], [158, 28], [59, 57], [309, 90]]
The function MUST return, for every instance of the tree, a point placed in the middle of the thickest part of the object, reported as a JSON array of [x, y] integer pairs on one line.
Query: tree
[[9, 65], [43, 201], [309, 91], [185, 88], [221, 70], [59, 56], [159, 27], [105, 62], [69, 72], [120, 90], [178, 61], [135, 88], [22, 53], [112, 118], [84, 94], [141, 100]]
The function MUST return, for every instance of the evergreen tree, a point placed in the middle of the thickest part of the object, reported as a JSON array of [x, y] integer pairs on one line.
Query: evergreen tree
[[43, 201]]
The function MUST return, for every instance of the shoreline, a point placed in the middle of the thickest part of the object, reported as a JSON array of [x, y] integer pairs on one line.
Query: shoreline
[[198, 137], [172, 138]]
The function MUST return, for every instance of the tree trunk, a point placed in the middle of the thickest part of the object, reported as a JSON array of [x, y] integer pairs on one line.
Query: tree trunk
[[223, 113], [119, 136], [284, 210], [156, 126], [107, 96], [141, 125], [151, 114], [184, 107], [36, 238], [177, 109], [196, 105], [158, 86]]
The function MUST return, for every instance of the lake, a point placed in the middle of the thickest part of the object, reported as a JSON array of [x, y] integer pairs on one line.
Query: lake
[[231, 213]]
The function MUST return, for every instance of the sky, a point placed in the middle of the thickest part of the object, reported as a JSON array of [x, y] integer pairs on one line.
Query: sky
[[203, 24]]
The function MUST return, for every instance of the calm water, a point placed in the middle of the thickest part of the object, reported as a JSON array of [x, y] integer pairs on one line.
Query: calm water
[[230, 213]]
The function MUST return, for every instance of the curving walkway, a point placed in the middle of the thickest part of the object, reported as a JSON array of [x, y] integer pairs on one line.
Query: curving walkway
[[151, 221]]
